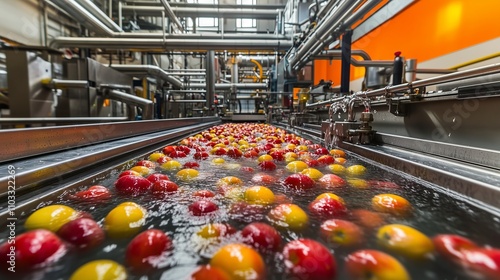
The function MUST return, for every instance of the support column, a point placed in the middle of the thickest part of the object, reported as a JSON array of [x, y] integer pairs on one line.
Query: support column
[[345, 70], [210, 80]]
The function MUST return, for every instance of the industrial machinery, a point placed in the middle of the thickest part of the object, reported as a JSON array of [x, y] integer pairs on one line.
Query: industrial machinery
[[224, 115]]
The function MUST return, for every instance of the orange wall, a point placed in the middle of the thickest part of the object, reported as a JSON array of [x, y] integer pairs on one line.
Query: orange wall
[[425, 30]]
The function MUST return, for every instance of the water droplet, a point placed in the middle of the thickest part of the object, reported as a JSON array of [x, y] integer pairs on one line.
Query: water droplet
[[374, 111], [453, 120], [449, 134]]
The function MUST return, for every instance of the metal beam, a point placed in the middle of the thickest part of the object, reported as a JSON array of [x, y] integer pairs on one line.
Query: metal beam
[[202, 12]]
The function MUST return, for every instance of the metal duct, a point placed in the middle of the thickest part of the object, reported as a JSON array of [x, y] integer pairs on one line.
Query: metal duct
[[202, 5], [224, 86], [99, 14], [149, 69], [171, 15], [173, 44], [241, 86], [145, 104], [202, 12], [83, 16], [321, 29], [335, 21], [210, 66], [232, 36]]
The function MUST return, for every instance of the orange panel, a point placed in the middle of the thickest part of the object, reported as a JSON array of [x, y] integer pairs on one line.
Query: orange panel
[[429, 29]]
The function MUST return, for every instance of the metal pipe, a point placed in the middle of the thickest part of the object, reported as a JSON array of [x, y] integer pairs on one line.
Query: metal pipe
[[202, 5], [471, 73], [83, 16], [151, 70], [145, 104], [99, 14], [73, 120], [371, 63], [185, 70], [216, 12], [64, 84], [170, 44], [326, 8], [172, 15], [186, 73], [337, 24], [321, 29], [187, 90], [210, 78], [336, 54], [189, 101], [120, 14], [434, 71]]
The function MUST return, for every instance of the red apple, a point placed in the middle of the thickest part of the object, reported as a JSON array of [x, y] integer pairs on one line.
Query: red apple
[[203, 193], [277, 155], [200, 155], [148, 250], [184, 149], [299, 182], [132, 185], [33, 249], [155, 177], [452, 246], [82, 232], [482, 261], [322, 151], [146, 163], [311, 162], [372, 264], [309, 259], [94, 193], [262, 237], [267, 165], [326, 159], [234, 153], [342, 233], [191, 165], [163, 187], [327, 208], [202, 207], [177, 154], [168, 150], [251, 154], [331, 181]]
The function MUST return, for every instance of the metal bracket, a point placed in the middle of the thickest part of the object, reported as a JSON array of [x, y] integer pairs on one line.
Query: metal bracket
[[396, 107]]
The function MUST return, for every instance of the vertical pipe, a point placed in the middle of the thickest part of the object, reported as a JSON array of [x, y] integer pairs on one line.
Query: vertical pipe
[[120, 22], [110, 8], [210, 80], [345, 70]]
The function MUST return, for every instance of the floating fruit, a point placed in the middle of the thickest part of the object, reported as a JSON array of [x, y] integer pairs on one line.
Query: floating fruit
[[124, 220], [288, 216], [259, 195], [148, 250], [100, 269], [391, 203], [240, 262], [309, 259], [51, 217], [372, 264], [405, 240]]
